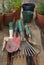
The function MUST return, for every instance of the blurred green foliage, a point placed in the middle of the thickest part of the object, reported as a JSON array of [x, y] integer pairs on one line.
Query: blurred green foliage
[[7, 5], [1, 9], [40, 7], [15, 3]]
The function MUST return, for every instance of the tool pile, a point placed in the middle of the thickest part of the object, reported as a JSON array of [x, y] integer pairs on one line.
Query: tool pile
[[18, 39]]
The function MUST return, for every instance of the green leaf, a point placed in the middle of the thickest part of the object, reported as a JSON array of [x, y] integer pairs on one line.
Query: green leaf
[[40, 8]]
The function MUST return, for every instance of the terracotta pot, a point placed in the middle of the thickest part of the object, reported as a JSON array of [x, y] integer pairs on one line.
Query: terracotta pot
[[8, 17], [1, 21], [40, 19], [17, 14]]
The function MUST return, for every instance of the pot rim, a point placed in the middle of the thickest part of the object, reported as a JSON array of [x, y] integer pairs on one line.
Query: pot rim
[[28, 4], [39, 14]]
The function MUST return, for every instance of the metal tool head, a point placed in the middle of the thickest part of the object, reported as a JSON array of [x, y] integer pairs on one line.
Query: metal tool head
[[13, 44], [28, 49]]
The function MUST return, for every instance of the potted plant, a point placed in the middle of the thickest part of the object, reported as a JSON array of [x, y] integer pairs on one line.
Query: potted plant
[[8, 14], [16, 4], [40, 14], [1, 16]]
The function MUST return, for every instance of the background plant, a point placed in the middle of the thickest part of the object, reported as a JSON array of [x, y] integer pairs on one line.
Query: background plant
[[16, 4], [7, 6], [1, 9], [40, 7]]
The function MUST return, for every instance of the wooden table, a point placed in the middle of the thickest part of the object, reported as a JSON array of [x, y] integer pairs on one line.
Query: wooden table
[[35, 32]]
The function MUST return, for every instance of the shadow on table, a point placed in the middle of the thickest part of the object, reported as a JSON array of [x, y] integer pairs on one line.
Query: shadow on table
[[42, 39], [42, 33], [30, 60]]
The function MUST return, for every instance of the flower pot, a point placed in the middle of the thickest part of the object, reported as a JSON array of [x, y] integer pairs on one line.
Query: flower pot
[[40, 19], [8, 17], [17, 14], [27, 16], [28, 6], [1, 21]]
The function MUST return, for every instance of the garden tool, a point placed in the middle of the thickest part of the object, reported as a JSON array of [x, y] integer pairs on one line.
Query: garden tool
[[26, 49], [10, 35], [13, 43], [30, 50], [27, 31], [16, 31], [28, 34], [20, 28], [11, 29], [25, 45]]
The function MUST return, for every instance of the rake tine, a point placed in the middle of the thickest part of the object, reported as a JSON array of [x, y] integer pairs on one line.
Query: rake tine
[[32, 47], [25, 52], [32, 50], [29, 51]]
